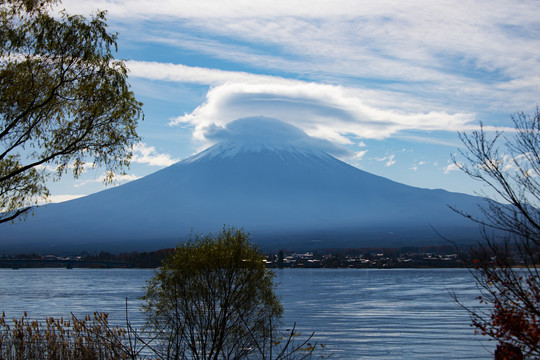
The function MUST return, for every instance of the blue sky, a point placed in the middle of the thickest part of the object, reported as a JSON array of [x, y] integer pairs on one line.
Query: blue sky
[[391, 81]]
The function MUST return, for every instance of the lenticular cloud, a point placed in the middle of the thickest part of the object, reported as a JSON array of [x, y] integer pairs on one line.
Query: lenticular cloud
[[260, 131], [324, 111]]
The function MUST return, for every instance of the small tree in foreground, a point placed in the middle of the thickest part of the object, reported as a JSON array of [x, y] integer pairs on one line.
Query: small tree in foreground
[[507, 270], [213, 298]]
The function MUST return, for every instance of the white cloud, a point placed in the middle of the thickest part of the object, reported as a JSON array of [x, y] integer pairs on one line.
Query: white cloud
[[56, 198], [46, 167], [359, 155], [143, 154], [62, 198], [432, 43], [325, 111], [417, 165], [451, 167], [259, 131], [198, 75], [389, 160], [245, 8], [116, 180], [452, 51], [54, 168], [121, 178]]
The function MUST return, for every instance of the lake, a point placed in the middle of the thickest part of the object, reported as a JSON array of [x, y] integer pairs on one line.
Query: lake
[[355, 313]]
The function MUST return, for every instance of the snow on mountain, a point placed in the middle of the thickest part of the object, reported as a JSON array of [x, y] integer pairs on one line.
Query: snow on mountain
[[266, 176]]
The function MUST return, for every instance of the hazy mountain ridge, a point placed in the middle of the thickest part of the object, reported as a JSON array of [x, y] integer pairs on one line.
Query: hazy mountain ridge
[[284, 195]]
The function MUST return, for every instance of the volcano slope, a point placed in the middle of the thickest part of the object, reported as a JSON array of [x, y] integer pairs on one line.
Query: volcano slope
[[277, 184]]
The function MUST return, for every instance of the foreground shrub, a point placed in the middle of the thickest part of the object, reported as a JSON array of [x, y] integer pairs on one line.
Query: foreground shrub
[[213, 298]]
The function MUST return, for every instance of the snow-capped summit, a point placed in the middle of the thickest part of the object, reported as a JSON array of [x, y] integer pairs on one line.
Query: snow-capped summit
[[256, 134], [266, 176]]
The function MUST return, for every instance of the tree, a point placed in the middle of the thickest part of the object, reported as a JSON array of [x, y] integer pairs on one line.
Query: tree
[[213, 298], [64, 101], [506, 270]]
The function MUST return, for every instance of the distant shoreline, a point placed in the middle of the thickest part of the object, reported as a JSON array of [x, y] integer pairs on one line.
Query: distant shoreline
[[360, 258], [91, 264]]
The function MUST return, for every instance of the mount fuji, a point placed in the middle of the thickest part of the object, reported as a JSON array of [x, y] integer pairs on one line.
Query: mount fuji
[[263, 175]]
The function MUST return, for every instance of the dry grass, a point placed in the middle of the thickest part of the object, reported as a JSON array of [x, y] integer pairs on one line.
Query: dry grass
[[92, 338], [57, 339]]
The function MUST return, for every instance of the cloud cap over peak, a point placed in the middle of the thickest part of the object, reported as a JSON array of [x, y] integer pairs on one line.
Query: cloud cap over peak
[[324, 111], [257, 132]]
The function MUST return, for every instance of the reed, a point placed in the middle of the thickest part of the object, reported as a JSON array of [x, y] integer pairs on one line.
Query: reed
[[57, 339]]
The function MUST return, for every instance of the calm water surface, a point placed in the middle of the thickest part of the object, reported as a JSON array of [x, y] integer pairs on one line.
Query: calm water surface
[[355, 313]]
